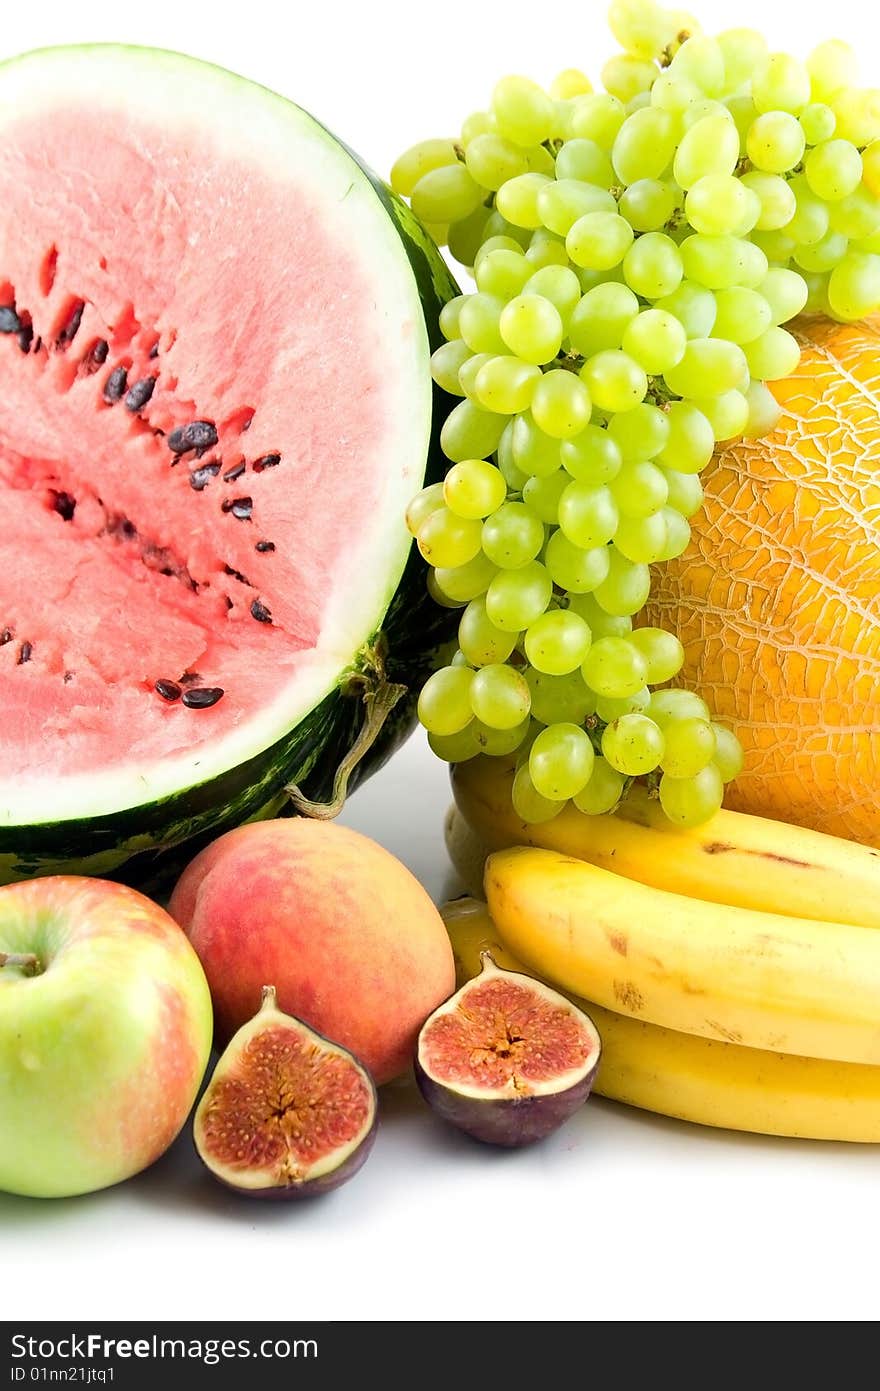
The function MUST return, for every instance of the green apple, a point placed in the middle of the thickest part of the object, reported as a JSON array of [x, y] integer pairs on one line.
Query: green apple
[[105, 1033]]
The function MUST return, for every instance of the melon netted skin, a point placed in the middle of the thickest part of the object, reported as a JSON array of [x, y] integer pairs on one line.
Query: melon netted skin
[[777, 599], [215, 332]]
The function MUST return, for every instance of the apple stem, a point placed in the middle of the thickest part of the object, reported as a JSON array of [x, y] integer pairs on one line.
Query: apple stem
[[26, 960]]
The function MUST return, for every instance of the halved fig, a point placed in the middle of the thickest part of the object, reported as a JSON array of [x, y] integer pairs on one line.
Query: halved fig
[[507, 1059], [287, 1113]]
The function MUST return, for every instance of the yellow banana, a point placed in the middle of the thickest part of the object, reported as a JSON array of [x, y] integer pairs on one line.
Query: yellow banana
[[466, 851], [742, 860], [784, 984], [697, 1079]]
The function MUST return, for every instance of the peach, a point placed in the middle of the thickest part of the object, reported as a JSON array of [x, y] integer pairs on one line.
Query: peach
[[348, 937]]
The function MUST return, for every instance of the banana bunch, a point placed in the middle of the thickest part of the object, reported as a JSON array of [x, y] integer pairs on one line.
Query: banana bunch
[[733, 971]]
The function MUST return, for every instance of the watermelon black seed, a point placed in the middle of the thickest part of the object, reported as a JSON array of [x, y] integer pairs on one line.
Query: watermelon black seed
[[264, 547], [139, 394], [71, 327], [26, 337], [114, 387], [198, 434], [6, 636], [168, 690], [68, 677], [260, 612], [232, 474], [201, 477], [96, 355], [202, 697], [24, 653], [237, 575], [189, 678], [154, 351], [240, 507], [267, 461], [9, 320], [64, 505]]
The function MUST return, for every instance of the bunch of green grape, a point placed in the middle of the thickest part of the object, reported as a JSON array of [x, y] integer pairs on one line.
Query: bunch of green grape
[[636, 253]]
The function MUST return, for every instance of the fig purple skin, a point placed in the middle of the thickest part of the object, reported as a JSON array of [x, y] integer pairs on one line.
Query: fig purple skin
[[275, 1080], [512, 1066], [507, 1121]]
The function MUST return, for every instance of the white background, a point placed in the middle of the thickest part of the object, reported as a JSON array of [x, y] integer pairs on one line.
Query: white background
[[620, 1216]]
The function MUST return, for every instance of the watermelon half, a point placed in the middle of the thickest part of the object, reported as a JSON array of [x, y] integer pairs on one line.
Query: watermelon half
[[215, 328]]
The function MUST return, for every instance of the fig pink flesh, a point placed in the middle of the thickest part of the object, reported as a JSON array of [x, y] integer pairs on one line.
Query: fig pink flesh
[[263, 319], [286, 1104], [502, 1035]]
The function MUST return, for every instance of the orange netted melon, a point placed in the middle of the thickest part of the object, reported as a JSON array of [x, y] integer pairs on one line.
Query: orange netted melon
[[777, 599]]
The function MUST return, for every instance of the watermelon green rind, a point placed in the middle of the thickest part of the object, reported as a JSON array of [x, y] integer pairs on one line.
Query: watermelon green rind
[[137, 842]]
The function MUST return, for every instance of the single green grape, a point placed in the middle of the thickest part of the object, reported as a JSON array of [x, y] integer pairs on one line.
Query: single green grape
[[692, 801], [594, 456], [561, 761], [492, 160], [709, 146], [599, 240], [781, 84], [728, 414], [854, 286], [775, 142], [450, 317], [447, 540], [429, 500], [528, 803], [691, 440], [531, 327], [648, 204], [614, 667], [678, 534], [512, 536], [523, 111], [744, 52], [603, 791], [506, 384], [600, 622], [445, 700], [586, 162], [571, 567], [471, 433], [600, 319], [614, 380], [832, 66], [690, 746], [559, 698], [662, 653], [557, 642], [456, 748], [468, 373], [502, 273], [478, 323], [640, 433], [447, 194], [676, 705], [473, 488], [719, 203], [500, 743], [722, 261], [461, 583], [418, 160], [742, 314], [644, 145], [609, 710], [518, 200], [597, 116], [588, 516], [633, 745], [478, 638], [642, 539], [693, 305], [542, 495], [447, 362], [516, 598], [728, 757], [640, 489], [777, 201], [685, 492], [560, 404], [499, 696], [653, 266], [708, 367], [563, 202], [534, 453], [625, 588], [656, 340], [775, 354], [560, 285]]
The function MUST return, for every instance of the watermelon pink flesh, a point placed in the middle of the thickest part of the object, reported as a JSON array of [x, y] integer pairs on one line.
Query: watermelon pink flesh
[[249, 290]]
